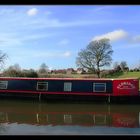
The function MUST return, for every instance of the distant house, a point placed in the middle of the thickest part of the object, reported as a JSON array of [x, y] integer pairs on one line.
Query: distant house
[[70, 71], [80, 70], [60, 71], [126, 69]]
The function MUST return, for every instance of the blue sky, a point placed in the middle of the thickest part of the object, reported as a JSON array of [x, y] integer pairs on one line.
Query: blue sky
[[32, 35]]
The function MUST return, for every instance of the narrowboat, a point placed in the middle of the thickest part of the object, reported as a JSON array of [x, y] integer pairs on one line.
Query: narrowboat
[[72, 88]]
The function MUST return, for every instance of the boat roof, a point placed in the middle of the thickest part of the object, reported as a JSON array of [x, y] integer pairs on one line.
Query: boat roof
[[29, 78]]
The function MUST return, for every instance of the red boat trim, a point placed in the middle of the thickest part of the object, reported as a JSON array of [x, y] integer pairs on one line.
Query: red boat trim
[[29, 78], [62, 93], [67, 79]]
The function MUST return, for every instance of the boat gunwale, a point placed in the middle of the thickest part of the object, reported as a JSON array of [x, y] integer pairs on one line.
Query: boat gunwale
[[74, 79]]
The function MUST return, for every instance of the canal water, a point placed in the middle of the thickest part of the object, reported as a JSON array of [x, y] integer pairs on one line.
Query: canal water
[[28, 117]]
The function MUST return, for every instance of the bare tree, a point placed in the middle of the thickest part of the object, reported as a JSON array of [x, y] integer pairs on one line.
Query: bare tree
[[139, 65], [97, 54], [3, 57], [116, 66], [123, 65], [43, 68], [15, 67], [84, 60]]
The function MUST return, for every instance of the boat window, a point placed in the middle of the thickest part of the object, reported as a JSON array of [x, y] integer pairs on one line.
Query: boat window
[[67, 86], [42, 86], [3, 84], [99, 119], [99, 87], [67, 118]]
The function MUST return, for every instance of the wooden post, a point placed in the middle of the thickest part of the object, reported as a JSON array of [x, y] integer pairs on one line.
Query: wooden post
[[39, 96], [109, 98], [109, 109], [37, 118], [7, 120], [139, 118]]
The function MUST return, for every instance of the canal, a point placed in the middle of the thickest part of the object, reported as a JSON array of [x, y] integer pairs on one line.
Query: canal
[[29, 117]]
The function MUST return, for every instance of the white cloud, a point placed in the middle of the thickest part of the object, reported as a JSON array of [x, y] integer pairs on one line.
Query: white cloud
[[48, 54], [41, 23], [102, 8], [35, 37], [135, 39], [113, 36], [48, 13], [32, 11], [67, 54], [107, 8], [118, 35], [8, 39], [64, 42], [17, 20], [6, 11]]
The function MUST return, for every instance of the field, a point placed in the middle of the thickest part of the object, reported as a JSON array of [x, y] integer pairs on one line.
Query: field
[[115, 75], [130, 74]]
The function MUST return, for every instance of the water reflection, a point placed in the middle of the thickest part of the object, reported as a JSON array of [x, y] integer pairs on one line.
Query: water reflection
[[68, 114]]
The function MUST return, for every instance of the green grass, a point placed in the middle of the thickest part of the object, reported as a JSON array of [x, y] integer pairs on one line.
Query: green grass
[[124, 75], [114, 75], [69, 76], [130, 74]]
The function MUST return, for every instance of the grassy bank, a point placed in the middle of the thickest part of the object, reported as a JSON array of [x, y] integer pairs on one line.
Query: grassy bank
[[114, 75], [129, 75], [124, 75]]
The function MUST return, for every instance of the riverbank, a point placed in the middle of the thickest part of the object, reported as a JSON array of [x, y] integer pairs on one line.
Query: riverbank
[[114, 75]]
